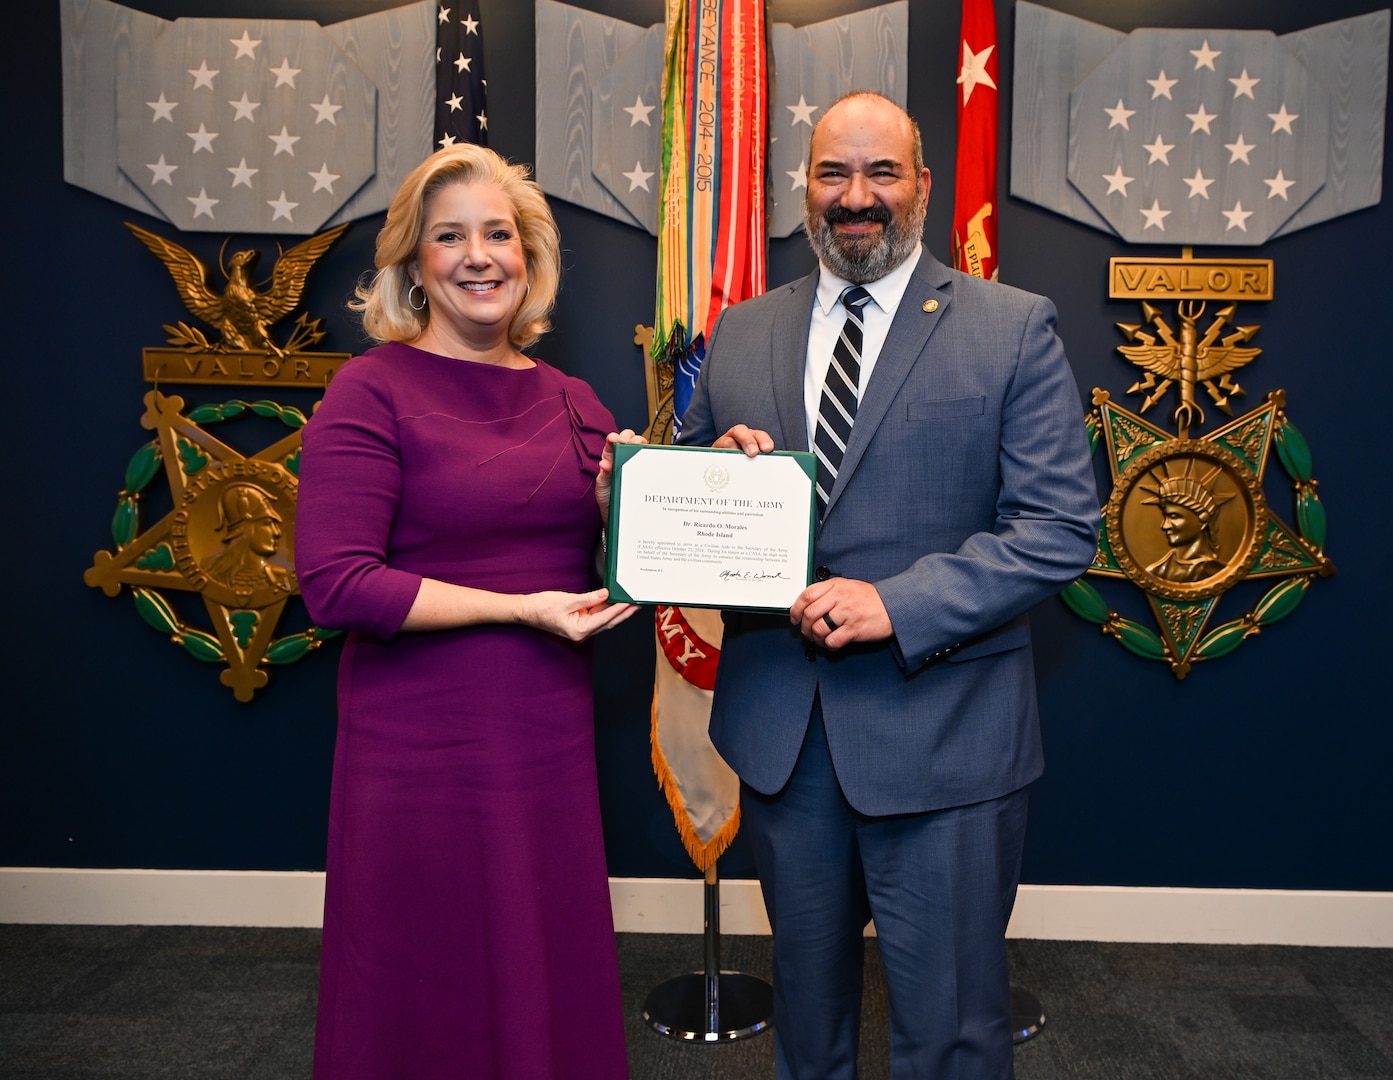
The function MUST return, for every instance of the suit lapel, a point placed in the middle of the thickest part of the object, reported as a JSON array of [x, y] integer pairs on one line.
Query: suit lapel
[[908, 337], [789, 352]]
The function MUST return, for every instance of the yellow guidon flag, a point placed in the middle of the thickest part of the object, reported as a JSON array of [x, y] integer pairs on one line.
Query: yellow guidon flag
[[711, 253]]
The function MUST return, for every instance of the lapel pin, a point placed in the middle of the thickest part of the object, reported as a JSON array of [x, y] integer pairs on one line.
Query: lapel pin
[[930, 306]]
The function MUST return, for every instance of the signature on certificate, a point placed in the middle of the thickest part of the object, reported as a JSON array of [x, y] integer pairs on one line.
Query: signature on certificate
[[753, 575]]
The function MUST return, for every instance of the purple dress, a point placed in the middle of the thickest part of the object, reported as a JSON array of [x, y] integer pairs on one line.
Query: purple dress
[[467, 923]]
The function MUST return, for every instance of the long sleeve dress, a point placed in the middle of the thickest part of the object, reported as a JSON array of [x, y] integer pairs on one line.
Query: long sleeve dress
[[467, 922]]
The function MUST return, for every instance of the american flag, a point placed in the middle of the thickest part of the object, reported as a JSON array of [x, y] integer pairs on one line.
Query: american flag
[[1198, 137], [460, 115]]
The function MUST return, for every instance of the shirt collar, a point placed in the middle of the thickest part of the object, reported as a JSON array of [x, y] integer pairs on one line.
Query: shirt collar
[[885, 291]]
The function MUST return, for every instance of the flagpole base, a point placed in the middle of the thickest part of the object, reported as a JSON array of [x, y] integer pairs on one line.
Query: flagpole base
[[1027, 1015], [712, 1005], [737, 1007]]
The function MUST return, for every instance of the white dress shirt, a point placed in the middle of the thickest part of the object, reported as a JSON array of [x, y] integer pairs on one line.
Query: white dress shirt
[[826, 327]]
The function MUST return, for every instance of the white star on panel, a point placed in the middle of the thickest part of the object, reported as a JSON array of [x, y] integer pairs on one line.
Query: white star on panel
[[1161, 86], [1238, 151], [324, 179], [1201, 120], [285, 74], [483, 121], [325, 111], [446, 141], [462, 62], [163, 172], [245, 108], [799, 176], [242, 174], [1281, 121], [282, 208], [202, 139], [202, 204], [1204, 56], [1243, 86], [245, 45], [1278, 186], [638, 112], [802, 112], [638, 177], [1199, 186], [471, 25], [444, 14], [1119, 114], [164, 110], [1238, 217], [974, 71], [1159, 151], [455, 103], [202, 76], [1117, 182], [1155, 216], [285, 142]]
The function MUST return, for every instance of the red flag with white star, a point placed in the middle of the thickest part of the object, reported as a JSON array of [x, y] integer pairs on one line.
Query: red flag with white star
[[459, 75], [975, 202]]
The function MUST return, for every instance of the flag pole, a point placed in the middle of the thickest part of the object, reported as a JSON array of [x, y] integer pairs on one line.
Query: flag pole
[[711, 254], [711, 1005]]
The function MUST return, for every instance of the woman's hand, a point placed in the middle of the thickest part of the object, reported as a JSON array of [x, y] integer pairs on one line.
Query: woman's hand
[[574, 616], [604, 480]]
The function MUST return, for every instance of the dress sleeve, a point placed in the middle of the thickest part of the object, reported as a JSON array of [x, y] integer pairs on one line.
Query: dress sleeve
[[350, 488]]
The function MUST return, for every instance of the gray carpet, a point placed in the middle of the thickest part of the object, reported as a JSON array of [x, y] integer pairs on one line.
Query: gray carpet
[[207, 1003]]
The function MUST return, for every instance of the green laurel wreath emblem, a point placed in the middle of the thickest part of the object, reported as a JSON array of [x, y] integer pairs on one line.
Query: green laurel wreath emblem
[[153, 608]]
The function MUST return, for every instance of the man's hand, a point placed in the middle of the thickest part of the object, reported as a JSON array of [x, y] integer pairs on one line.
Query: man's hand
[[839, 611], [751, 440]]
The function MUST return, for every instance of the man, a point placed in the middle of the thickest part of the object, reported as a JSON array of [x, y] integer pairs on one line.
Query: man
[[885, 731]]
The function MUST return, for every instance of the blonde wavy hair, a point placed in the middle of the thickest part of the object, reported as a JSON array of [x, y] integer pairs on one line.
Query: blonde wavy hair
[[382, 300]]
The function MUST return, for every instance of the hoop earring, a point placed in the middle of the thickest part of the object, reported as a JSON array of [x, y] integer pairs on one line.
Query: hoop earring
[[528, 292], [410, 292]]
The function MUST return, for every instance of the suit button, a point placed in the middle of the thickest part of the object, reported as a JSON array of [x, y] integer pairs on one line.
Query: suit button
[[809, 653], [822, 573]]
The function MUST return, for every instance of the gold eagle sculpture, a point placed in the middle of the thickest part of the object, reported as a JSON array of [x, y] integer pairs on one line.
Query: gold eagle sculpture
[[1188, 359], [244, 311]]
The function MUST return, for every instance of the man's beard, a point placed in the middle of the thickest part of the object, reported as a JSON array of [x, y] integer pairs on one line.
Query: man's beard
[[860, 259]]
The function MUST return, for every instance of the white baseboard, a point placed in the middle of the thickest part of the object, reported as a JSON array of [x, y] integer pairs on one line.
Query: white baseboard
[[674, 906]]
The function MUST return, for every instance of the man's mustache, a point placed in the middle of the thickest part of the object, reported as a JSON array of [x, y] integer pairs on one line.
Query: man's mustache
[[840, 215]]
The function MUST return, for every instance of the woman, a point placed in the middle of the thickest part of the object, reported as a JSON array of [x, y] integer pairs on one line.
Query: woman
[[448, 516]]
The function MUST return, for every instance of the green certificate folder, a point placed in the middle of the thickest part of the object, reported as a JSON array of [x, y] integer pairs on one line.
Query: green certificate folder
[[698, 527]]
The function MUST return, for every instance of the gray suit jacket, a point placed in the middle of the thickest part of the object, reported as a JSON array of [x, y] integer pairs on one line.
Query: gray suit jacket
[[966, 496]]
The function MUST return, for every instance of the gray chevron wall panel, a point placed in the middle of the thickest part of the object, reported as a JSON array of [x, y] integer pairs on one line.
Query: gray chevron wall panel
[[201, 121], [599, 133], [1203, 136]]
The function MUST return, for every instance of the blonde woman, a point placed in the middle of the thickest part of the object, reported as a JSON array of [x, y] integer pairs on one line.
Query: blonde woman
[[448, 517]]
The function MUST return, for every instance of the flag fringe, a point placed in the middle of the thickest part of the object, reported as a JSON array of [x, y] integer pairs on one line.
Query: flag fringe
[[703, 854]]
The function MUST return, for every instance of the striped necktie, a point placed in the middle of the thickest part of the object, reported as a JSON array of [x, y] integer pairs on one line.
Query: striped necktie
[[837, 409]]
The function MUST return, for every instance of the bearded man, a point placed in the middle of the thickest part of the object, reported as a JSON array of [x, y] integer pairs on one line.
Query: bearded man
[[885, 731]]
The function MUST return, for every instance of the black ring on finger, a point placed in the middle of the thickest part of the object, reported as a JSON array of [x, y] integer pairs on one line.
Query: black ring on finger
[[828, 620]]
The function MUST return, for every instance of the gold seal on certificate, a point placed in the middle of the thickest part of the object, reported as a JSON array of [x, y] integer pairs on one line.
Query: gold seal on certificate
[[710, 528]]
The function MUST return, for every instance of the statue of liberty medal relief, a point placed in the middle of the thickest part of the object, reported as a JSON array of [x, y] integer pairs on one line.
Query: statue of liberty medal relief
[[227, 536], [1188, 520]]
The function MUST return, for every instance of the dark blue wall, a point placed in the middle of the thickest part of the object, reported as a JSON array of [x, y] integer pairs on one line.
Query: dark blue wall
[[119, 750]]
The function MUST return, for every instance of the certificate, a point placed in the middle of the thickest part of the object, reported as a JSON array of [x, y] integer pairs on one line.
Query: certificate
[[710, 528]]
